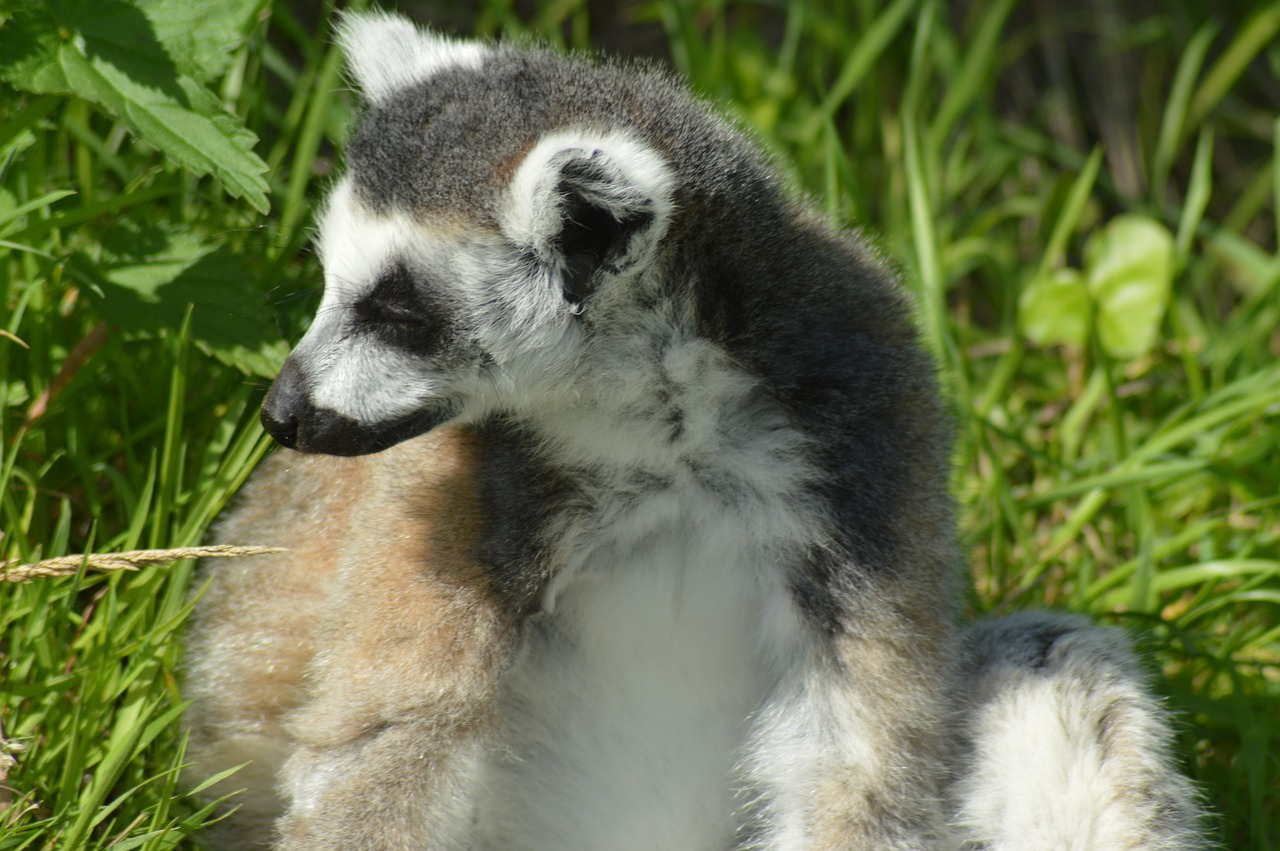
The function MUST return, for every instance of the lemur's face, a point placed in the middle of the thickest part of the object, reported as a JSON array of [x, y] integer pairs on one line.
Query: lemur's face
[[461, 250]]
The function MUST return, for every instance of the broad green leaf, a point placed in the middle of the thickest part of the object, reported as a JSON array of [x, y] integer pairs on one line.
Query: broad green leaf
[[1129, 269], [108, 52], [1054, 309], [147, 279], [201, 36], [154, 41]]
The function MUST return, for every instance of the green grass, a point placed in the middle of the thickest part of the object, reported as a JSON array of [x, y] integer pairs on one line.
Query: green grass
[[980, 151]]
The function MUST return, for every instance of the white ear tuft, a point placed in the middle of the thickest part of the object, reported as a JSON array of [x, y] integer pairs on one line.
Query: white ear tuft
[[387, 52], [611, 172]]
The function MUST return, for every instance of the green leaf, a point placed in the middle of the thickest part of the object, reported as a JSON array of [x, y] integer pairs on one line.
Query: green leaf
[[10, 210], [1257, 270], [109, 52], [201, 36], [861, 59], [148, 278], [1253, 37], [1072, 210], [1054, 309], [1129, 269]]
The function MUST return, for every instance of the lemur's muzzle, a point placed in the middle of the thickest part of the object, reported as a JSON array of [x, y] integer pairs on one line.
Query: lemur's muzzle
[[294, 421], [289, 416]]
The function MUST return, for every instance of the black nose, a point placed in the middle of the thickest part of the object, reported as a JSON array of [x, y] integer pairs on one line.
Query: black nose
[[285, 431], [285, 403], [290, 416]]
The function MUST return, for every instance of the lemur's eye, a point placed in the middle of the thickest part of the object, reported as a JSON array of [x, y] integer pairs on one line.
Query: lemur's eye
[[396, 311], [374, 311], [393, 300]]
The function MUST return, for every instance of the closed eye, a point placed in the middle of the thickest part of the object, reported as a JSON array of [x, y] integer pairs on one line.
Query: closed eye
[[398, 313], [393, 300], [375, 311]]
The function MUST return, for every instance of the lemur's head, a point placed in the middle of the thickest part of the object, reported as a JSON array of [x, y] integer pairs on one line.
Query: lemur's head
[[495, 201]]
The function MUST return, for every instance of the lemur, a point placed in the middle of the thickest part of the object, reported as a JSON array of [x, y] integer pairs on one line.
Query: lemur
[[643, 537]]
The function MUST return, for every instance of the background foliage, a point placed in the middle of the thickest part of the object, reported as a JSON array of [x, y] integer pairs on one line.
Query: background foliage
[[1083, 196]]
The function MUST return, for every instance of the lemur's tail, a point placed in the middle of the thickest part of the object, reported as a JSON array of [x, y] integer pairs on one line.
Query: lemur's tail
[[1062, 745]]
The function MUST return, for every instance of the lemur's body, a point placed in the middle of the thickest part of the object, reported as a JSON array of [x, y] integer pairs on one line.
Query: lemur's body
[[679, 573]]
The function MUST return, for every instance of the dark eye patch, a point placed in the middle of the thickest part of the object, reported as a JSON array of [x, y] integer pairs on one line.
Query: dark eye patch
[[404, 314]]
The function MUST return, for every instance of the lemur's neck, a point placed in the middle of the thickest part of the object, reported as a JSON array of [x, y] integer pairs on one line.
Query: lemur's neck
[[664, 400]]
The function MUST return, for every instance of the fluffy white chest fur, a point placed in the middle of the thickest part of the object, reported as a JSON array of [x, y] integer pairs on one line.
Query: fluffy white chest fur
[[631, 703], [629, 708]]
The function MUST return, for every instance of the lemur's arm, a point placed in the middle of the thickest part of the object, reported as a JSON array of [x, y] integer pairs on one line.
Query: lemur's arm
[[253, 633], [401, 697]]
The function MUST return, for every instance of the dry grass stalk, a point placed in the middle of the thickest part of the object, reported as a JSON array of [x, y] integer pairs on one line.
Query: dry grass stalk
[[11, 571]]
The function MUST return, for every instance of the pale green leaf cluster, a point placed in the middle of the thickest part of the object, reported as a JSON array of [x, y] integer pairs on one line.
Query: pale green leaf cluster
[[1123, 291]]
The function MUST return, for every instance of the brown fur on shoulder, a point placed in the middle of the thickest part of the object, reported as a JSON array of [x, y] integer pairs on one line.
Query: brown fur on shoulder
[[378, 572]]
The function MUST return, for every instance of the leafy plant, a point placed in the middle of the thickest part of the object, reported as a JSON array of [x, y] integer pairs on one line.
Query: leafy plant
[[122, 271], [1123, 290], [145, 64]]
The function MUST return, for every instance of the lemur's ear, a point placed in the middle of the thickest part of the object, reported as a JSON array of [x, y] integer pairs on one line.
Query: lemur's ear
[[584, 204], [387, 52]]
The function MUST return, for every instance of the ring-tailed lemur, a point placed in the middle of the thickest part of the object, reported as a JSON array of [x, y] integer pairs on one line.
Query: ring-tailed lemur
[[673, 566]]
